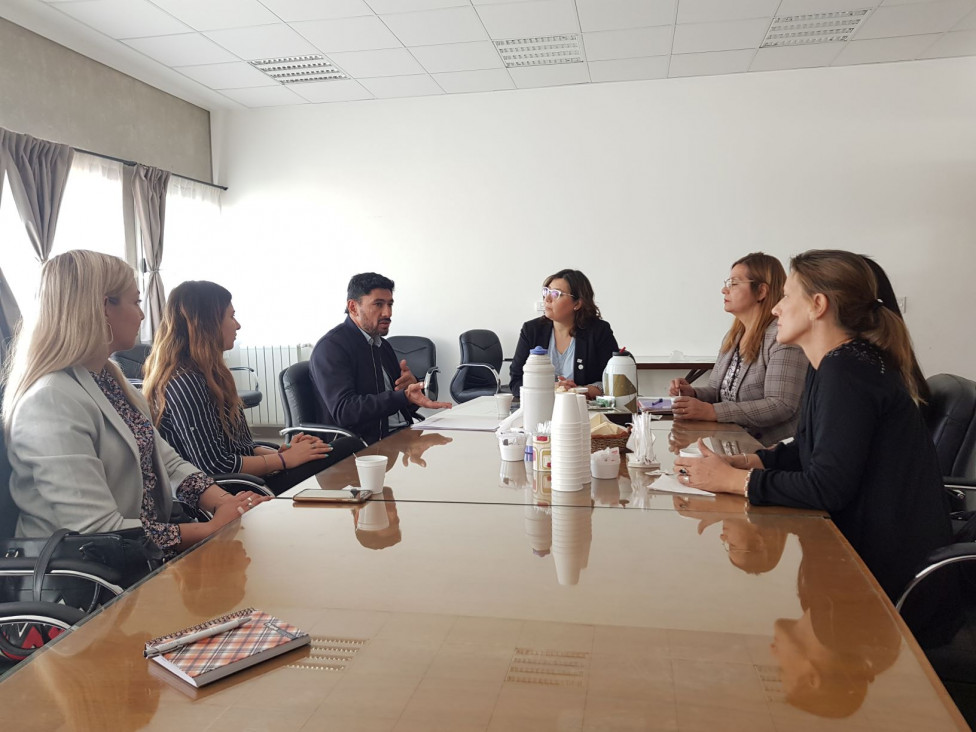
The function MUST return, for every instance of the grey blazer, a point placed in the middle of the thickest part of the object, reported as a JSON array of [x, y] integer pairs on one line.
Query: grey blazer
[[767, 402], [76, 463]]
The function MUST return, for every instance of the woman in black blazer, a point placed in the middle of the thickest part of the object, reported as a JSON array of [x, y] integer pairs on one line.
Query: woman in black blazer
[[578, 341]]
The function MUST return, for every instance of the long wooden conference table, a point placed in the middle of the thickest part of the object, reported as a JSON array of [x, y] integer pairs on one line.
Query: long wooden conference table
[[468, 597]]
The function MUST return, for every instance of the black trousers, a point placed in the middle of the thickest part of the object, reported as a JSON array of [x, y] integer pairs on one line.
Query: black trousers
[[342, 448]]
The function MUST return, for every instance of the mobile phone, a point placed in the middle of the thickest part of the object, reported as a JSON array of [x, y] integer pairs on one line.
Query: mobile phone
[[655, 405], [323, 495]]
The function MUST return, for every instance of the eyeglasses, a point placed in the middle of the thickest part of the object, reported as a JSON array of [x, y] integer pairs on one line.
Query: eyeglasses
[[732, 282], [554, 294]]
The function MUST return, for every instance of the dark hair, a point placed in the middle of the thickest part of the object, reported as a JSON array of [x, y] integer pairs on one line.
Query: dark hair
[[764, 269], [581, 290], [851, 288], [190, 339], [365, 282], [886, 293]]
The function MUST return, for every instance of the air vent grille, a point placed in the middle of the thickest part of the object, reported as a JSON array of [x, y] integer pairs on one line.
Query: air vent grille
[[802, 30], [298, 69], [540, 50]]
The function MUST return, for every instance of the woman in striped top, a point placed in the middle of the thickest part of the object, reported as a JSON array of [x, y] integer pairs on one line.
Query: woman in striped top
[[194, 401]]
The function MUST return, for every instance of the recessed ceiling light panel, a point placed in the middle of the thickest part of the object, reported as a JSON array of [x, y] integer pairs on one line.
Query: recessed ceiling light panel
[[540, 50], [297, 69], [802, 30]]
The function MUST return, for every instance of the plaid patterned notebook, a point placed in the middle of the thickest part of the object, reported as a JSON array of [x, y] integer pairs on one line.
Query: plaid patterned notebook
[[242, 639]]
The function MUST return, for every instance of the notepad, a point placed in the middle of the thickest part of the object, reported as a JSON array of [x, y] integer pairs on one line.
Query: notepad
[[202, 660]]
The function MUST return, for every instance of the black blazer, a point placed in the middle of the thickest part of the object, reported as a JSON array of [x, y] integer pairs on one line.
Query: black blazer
[[348, 375], [595, 345]]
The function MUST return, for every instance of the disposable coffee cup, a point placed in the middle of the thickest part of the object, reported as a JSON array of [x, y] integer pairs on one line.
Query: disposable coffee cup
[[503, 405], [373, 516], [371, 470]]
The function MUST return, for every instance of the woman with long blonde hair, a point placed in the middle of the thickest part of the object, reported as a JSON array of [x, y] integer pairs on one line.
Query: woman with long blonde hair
[[756, 382], [194, 401], [862, 451], [84, 454]]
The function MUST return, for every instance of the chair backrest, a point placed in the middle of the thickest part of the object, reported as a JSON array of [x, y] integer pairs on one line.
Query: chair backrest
[[477, 346], [951, 416], [298, 398], [132, 361], [421, 356]]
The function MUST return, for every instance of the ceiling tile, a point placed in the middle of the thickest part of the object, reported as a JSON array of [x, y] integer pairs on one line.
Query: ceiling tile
[[712, 11], [728, 36], [294, 10], [957, 43], [430, 27], [498, 2], [710, 64], [458, 57], [185, 49], [264, 96], [385, 62], [881, 50], [458, 82], [214, 14], [344, 90], [804, 7], [905, 2], [237, 75], [124, 18], [633, 43], [348, 34], [536, 76], [264, 41], [913, 20], [408, 6], [601, 15], [536, 18], [795, 57], [402, 86], [630, 69]]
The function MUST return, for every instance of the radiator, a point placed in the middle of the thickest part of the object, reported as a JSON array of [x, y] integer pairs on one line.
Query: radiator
[[267, 362]]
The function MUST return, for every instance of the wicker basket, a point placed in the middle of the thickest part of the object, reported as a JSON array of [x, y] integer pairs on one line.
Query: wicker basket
[[600, 442]]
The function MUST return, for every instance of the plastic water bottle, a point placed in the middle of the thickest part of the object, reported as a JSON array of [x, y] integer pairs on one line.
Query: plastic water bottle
[[538, 389]]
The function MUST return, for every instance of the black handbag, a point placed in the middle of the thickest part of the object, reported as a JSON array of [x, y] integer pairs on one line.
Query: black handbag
[[119, 558]]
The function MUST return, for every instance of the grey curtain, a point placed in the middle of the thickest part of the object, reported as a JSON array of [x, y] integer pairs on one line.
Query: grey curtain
[[37, 171], [9, 312], [149, 196]]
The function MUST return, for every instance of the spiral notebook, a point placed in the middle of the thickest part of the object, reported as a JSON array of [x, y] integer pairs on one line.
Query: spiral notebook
[[222, 646]]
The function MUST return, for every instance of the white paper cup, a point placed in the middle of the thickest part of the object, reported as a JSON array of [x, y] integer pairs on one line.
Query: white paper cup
[[565, 411], [373, 516], [602, 469], [692, 451], [371, 470], [503, 405], [512, 453]]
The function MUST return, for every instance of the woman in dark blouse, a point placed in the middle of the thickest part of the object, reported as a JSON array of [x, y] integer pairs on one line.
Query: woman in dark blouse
[[194, 401], [83, 451], [579, 342], [862, 452]]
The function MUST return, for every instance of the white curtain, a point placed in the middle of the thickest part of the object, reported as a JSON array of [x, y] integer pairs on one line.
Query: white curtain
[[193, 233]]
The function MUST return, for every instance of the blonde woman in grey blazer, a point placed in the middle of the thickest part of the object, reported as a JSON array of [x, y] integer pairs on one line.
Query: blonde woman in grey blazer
[[756, 382], [81, 444]]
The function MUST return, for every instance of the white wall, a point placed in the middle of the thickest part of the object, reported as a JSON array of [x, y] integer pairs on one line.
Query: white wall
[[651, 188]]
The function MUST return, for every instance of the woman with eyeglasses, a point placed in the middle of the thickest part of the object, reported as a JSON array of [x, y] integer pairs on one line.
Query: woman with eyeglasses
[[756, 382], [579, 342]]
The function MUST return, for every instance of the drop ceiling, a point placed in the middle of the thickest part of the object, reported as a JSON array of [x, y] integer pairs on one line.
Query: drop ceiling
[[204, 51]]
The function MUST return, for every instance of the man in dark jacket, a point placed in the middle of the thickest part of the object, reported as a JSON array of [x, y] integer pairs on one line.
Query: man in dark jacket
[[359, 384]]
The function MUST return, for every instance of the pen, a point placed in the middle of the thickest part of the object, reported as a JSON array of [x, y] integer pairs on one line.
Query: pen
[[194, 637]]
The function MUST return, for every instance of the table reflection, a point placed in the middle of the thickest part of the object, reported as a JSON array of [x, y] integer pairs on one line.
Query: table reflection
[[226, 559], [377, 522], [409, 449], [830, 655]]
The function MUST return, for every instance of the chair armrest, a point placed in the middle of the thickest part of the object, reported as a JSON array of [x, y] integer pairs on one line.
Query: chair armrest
[[241, 368], [428, 376], [319, 429], [943, 557], [238, 482], [263, 443], [959, 482], [498, 379], [53, 613]]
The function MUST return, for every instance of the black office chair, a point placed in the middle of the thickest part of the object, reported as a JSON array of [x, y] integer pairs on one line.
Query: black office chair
[[133, 361], [301, 405], [951, 417], [481, 363], [421, 356]]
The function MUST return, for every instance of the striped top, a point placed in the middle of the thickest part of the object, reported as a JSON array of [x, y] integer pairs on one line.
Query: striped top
[[190, 424]]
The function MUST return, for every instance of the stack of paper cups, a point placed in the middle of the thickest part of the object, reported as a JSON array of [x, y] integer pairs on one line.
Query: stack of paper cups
[[585, 440], [568, 461], [572, 534], [538, 389]]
